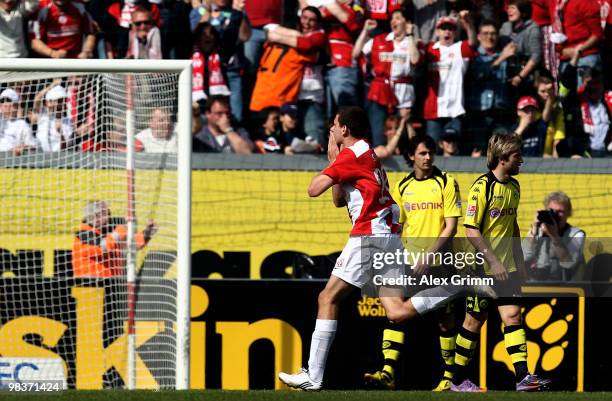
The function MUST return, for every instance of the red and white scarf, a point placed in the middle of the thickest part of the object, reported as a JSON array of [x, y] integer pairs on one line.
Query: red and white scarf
[[587, 119], [215, 85]]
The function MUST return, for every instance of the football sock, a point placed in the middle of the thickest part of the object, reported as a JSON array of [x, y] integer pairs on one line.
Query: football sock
[[393, 340], [322, 338], [516, 345], [465, 344], [447, 349]]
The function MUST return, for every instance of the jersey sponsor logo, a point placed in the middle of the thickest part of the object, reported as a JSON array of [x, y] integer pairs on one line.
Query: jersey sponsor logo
[[471, 211], [423, 206], [496, 212]]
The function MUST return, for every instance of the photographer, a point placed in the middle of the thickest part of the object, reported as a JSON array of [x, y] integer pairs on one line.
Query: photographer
[[553, 248]]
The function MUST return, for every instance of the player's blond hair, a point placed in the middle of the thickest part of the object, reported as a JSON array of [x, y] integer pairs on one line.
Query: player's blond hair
[[501, 147]]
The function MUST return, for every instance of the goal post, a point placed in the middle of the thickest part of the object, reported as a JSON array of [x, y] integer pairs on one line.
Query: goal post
[[89, 151]]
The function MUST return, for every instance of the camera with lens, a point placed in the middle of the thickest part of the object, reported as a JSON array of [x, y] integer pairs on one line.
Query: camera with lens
[[548, 216]]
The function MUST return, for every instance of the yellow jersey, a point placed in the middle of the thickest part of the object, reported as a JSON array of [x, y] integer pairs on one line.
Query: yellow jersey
[[492, 207], [424, 204]]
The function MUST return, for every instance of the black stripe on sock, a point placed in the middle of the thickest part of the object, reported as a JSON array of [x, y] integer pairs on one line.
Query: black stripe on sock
[[512, 329]]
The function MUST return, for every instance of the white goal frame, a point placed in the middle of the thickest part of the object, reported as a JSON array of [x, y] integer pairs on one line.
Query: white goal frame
[[183, 68]]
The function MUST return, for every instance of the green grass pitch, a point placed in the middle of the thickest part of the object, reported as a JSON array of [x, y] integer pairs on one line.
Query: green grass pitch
[[288, 395]]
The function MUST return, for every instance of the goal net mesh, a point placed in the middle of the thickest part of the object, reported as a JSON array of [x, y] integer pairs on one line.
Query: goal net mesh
[[63, 217]]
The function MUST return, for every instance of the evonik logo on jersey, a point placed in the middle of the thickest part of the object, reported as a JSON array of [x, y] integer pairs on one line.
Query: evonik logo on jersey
[[496, 212], [423, 206]]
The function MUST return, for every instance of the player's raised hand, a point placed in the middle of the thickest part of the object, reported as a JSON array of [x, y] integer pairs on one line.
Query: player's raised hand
[[332, 148], [409, 29], [370, 25]]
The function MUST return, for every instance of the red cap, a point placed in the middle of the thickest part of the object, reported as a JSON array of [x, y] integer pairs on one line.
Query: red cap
[[446, 20], [527, 101]]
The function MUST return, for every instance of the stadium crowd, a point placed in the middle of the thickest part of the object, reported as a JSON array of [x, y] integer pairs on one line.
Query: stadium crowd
[[268, 75]]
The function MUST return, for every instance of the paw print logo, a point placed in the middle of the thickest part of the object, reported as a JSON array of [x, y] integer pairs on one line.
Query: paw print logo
[[548, 350]]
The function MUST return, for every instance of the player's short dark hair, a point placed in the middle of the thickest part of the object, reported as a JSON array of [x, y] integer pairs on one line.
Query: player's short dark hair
[[406, 10], [488, 22], [524, 7], [414, 143], [224, 100], [356, 120]]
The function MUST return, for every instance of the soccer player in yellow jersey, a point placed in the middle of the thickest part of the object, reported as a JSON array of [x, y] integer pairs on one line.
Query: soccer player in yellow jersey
[[430, 206], [491, 227]]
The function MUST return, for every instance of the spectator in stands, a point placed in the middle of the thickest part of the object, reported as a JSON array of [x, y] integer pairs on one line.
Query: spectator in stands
[[13, 15], [540, 15], [553, 248], [117, 22], [309, 37], [145, 38], [219, 134], [449, 143], [526, 35], [487, 89], [54, 129], [233, 28], [342, 26], [160, 137], [174, 28], [447, 62], [426, 13], [64, 29], [209, 75], [587, 111], [394, 56], [268, 139], [15, 132], [531, 128], [284, 59], [552, 114], [580, 21], [260, 14], [381, 11], [292, 136], [98, 249], [596, 112], [396, 128]]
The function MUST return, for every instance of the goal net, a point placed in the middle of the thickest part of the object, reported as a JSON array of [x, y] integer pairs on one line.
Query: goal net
[[94, 278]]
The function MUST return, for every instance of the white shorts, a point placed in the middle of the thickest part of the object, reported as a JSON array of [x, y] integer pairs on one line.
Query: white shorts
[[355, 265]]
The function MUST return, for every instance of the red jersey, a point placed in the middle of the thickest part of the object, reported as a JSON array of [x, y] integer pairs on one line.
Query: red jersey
[[63, 28], [342, 35], [540, 12], [381, 9], [581, 20], [363, 179]]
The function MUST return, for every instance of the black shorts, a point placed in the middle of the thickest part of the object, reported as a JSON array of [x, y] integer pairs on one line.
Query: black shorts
[[509, 292]]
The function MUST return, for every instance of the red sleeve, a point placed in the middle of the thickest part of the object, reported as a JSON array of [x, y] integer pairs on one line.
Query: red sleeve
[[311, 41], [467, 50], [155, 14], [354, 22], [343, 169]]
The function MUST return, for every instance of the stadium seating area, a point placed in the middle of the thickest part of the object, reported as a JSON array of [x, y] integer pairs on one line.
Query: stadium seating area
[[269, 74]]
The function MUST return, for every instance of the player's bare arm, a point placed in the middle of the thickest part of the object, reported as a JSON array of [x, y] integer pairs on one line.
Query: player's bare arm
[[476, 239]]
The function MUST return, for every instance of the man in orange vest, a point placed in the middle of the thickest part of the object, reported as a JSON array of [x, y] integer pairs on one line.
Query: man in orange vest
[[99, 246]]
